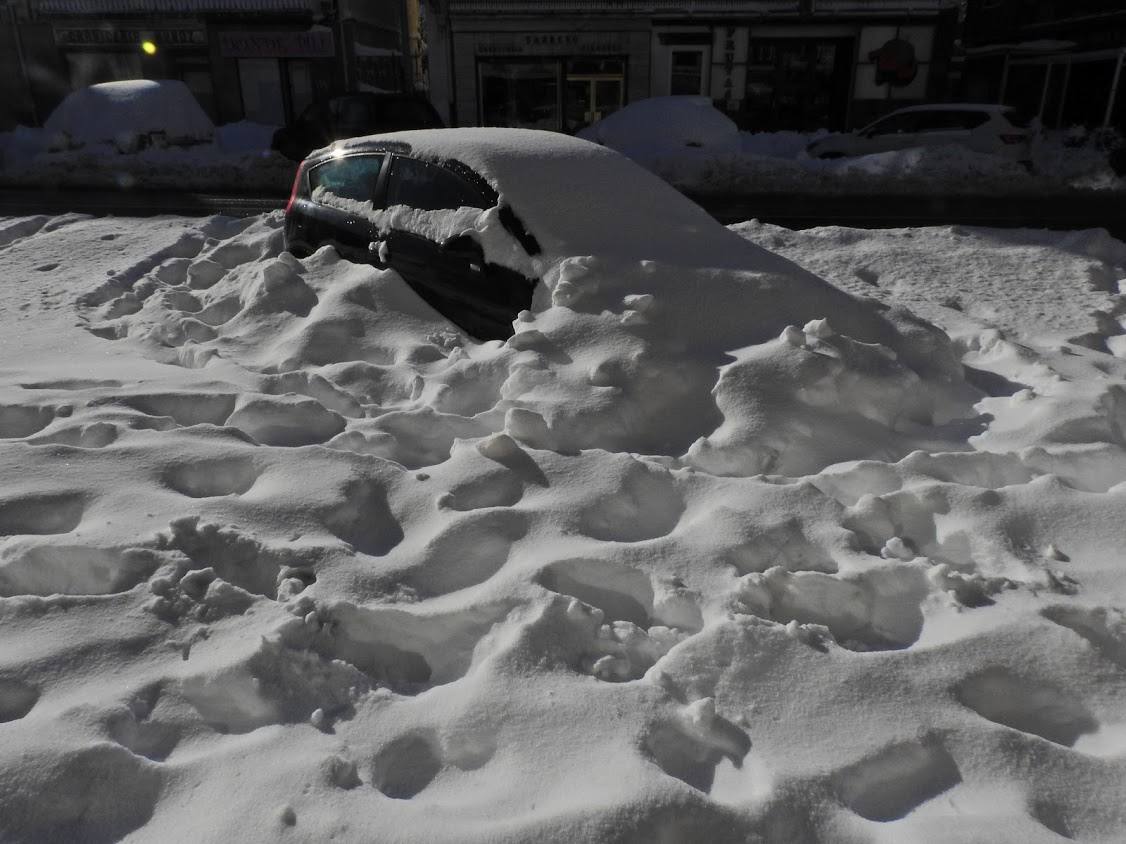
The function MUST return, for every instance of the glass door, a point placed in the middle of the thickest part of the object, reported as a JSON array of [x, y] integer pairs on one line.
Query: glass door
[[595, 88], [261, 83]]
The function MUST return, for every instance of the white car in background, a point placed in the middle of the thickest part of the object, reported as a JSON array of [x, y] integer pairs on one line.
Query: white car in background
[[992, 129]]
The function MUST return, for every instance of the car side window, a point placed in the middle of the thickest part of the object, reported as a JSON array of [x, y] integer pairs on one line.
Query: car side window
[[971, 119], [949, 121], [429, 187], [895, 124], [351, 177]]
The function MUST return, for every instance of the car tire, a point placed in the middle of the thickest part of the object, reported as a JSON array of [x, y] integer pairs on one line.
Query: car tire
[[829, 156]]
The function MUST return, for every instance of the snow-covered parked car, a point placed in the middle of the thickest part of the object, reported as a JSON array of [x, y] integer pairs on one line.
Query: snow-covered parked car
[[664, 124], [992, 129], [129, 115], [503, 229]]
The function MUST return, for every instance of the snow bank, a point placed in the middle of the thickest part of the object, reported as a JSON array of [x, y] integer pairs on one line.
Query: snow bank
[[245, 136], [708, 550], [769, 162], [142, 134], [125, 112], [236, 160]]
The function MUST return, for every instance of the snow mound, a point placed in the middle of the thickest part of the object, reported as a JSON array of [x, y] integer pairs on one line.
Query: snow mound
[[244, 136], [664, 123], [124, 112], [742, 556]]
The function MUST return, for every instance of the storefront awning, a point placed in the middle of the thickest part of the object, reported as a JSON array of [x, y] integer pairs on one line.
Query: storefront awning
[[60, 8]]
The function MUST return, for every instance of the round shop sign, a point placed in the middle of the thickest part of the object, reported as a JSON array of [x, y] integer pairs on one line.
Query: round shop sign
[[896, 64]]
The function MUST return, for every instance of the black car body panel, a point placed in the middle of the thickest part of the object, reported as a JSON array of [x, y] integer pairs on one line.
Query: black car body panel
[[480, 297]]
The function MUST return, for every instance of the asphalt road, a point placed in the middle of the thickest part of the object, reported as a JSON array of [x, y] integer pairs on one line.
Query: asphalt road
[[798, 211]]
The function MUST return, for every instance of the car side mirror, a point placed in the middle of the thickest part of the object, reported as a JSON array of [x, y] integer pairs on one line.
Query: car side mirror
[[462, 246]]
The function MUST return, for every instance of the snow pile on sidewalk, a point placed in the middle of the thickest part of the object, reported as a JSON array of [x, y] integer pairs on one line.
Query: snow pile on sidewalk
[[768, 162], [700, 554]]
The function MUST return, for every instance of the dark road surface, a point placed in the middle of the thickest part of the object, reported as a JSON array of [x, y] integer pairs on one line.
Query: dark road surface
[[1063, 211]]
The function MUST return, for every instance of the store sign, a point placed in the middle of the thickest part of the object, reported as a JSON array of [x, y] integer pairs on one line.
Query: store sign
[[895, 63], [551, 44], [317, 43], [68, 36]]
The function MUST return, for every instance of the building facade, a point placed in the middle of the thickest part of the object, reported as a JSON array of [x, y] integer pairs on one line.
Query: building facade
[[1060, 59], [770, 64], [259, 60]]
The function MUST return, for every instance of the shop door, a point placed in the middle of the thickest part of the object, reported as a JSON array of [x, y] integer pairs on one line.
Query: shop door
[[261, 83], [595, 89]]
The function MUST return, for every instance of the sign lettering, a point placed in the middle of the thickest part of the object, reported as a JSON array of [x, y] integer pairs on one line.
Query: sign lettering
[[115, 37], [295, 45]]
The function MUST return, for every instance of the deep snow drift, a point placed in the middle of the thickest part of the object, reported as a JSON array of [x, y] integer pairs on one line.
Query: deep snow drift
[[284, 556]]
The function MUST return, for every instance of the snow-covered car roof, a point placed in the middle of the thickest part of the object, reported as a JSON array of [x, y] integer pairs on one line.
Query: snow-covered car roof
[[111, 110], [989, 107], [578, 198]]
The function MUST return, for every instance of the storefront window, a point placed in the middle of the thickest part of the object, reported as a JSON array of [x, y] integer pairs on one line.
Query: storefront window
[[557, 94], [262, 101], [92, 68], [687, 75], [523, 94], [797, 83]]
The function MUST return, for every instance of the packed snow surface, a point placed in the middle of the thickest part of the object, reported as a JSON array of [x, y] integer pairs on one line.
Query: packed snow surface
[[709, 550]]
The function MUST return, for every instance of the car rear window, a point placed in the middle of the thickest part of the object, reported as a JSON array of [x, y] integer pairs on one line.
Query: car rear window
[[429, 187], [353, 177], [894, 124]]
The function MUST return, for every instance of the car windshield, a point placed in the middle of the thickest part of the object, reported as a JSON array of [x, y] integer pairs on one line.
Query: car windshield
[[511, 421]]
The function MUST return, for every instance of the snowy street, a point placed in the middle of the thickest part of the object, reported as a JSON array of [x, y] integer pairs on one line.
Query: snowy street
[[794, 210], [701, 553]]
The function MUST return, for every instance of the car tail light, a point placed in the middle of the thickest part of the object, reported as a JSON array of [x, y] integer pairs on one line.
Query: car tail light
[[296, 190], [1014, 139]]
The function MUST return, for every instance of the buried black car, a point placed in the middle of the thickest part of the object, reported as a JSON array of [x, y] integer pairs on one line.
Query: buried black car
[[337, 199]]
